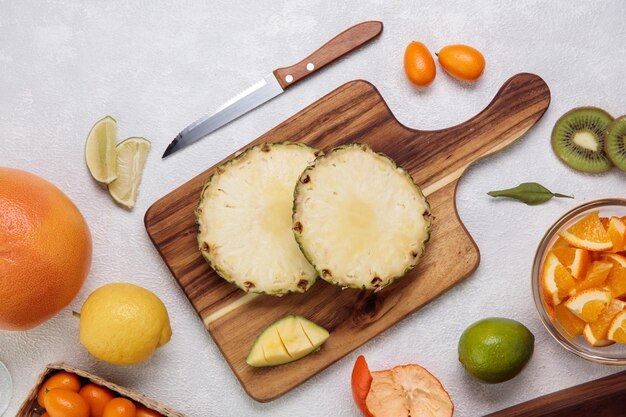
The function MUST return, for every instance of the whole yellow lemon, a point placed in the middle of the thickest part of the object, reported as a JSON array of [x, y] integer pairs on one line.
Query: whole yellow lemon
[[123, 324]]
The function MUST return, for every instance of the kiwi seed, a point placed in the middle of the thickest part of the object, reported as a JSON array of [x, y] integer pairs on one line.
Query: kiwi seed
[[578, 139], [615, 143]]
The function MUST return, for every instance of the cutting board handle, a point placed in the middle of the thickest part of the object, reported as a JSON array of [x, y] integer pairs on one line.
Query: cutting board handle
[[516, 107]]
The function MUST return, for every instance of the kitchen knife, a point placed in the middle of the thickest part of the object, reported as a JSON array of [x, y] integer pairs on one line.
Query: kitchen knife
[[276, 82]]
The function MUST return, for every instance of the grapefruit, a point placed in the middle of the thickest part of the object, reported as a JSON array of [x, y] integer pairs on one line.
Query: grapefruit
[[45, 250]]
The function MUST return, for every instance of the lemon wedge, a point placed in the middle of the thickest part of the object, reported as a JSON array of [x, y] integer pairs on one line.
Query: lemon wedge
[[131, 157], [100, 150]]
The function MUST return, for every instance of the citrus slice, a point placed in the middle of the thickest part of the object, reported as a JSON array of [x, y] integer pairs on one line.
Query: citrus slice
[[570, 322], [596, 276], [557, 281], [561, 243], [597, 331], [593, 339], [605, 222], [131, 157], [617, 331], [588, 233], [574, 259], [100, 150], [617, 281], [615, 259], [589, 304], [405, 391], [617, 233]]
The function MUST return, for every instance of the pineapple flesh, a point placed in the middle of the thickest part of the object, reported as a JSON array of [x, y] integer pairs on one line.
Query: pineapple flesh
[[286, 340], [244, 220], [360, 219]]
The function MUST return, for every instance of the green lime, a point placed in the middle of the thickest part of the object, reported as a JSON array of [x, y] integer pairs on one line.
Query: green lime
[[495, 349], [131, 157], [100, 150]]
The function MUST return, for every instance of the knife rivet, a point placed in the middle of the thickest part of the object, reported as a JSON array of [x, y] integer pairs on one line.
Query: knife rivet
[[310, 66], [289, 78]]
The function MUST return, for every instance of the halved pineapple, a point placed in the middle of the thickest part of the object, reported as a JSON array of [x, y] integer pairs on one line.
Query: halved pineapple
[[244, 219], [360, 219]]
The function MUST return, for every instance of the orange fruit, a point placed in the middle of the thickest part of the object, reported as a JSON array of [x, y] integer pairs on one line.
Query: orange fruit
[[588, 233], [570, 322], [605, 222], [405, 391], [615, 258], [97, 397], [561, 243], [556, 280], [574, 259], [64, 403], [143, 411], [120, 407], [419, 64], [462, 62], [617, 331], [64, 380], [45, 250], [589, 304], [617, 233], [617, 281], [598, 272], [597, 331]]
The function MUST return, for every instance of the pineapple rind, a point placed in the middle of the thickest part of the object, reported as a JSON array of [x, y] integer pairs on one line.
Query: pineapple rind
[[299, 238], [201, 241]]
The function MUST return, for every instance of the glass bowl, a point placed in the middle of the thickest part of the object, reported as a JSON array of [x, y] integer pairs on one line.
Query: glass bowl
[[611, 355]]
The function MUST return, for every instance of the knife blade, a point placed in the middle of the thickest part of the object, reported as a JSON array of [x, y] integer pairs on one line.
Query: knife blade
[[276, 83]]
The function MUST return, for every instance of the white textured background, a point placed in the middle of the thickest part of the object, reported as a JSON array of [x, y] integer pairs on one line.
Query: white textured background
[[156, 66]]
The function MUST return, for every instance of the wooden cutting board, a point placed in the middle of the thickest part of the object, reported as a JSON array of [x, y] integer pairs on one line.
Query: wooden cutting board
[[354, 112], [604, 397]]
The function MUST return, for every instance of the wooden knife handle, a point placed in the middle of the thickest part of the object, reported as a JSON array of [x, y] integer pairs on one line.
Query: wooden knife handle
[[340, 45]]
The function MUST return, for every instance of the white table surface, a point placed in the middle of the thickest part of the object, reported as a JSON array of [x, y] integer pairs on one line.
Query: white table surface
[[156, 66]]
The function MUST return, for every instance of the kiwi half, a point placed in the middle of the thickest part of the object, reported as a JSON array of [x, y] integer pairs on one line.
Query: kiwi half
[[578, 139], [615, 143]]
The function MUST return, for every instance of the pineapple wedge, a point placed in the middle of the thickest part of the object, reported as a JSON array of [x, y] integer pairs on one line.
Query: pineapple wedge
[[286, 340], [244, 219], [360, 219]]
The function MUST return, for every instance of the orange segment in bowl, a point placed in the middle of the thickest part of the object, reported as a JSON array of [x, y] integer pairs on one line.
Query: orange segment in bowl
[[617, 233], [588, 233], [617, 281], [597, 331], [615, 259], [593, 339], [561, 243], [617, 331], [598, 272], [574, 259], [605, 222], [589, 304], [570, 323], [556, 279]]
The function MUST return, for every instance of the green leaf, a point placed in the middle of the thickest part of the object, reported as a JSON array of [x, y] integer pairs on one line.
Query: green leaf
[[530, 193]]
